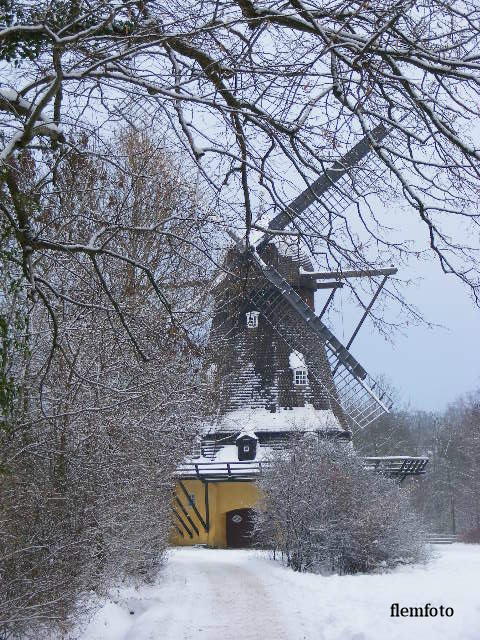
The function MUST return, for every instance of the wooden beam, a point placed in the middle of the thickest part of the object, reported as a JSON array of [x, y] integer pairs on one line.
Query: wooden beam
[[192, 504], [185, 513], [177, 515], [327, 303], [329, 285], [367, 311], [341, 275], [207, 507]]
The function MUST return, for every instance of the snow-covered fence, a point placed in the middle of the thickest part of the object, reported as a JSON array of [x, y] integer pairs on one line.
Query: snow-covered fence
[[442, 538], [220, 470], [397, 466], [392, 466]]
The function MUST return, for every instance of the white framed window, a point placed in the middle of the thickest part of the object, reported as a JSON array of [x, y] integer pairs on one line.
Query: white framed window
[[246, 448], [300, 377], [252, 319]]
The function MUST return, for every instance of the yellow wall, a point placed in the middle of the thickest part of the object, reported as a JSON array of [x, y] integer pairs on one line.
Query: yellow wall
[[222, 497]]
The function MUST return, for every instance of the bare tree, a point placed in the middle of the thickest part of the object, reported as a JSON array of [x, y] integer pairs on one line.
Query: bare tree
[[457, 466], [89, 452], [263, 96]]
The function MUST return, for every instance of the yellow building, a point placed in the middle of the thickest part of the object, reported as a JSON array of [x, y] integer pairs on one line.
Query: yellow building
[[217, 491], [213, 512]]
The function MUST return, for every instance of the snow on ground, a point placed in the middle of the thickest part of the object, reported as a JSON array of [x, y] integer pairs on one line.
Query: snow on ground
[[241, 594]]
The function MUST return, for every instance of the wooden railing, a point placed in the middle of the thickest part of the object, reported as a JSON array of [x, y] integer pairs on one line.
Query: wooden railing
[[397, 466], [393, 466], [220, 470], [441, 538]]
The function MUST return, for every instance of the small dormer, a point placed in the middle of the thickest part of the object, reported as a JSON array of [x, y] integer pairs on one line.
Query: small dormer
[[246, 445]]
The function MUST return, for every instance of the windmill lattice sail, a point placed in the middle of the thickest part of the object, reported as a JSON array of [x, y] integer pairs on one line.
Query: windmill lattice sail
[[329, 195], [360, 397]]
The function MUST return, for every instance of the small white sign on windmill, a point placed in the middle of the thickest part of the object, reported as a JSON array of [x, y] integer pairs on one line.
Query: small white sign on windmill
[[252, 319]]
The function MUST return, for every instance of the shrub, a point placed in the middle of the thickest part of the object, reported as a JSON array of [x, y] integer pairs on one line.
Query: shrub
[[322, 510]]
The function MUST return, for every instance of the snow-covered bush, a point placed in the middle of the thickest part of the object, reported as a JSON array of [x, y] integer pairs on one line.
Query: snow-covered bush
[[322, 510]]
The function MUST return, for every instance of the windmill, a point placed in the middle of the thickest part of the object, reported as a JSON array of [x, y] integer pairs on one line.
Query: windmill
[[278, 289], [278, 371]]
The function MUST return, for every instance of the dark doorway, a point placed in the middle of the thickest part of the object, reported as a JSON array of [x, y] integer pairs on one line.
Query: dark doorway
[[239, 528]]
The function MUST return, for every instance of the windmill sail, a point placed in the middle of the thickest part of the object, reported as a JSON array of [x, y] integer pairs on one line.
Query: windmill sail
[[334, 200], [349, 385], [360, 397]]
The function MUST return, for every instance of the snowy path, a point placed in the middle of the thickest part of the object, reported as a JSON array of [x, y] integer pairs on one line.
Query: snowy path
[[210, 593], [213, 594]]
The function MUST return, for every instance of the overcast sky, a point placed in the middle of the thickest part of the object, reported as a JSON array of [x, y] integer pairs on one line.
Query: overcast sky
[[429, 367]]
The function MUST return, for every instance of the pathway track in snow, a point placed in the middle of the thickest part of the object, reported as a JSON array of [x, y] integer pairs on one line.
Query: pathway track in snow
[[220, 598], [239, 595]]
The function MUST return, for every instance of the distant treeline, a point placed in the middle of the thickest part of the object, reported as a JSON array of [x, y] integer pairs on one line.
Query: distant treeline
[[448, 494]]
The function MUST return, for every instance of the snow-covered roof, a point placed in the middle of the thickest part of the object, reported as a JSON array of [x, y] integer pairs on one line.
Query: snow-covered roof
[[229, 453], [290, 247], [297, 360], [249, 433], [297, 419]]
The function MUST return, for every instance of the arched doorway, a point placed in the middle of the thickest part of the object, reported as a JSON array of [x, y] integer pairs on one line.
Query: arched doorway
[[239, 528]]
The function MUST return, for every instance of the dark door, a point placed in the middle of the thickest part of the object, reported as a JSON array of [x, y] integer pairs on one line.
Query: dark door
[[239, 528]]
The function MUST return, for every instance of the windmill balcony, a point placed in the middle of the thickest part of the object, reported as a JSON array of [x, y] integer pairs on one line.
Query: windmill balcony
[[399, 467]]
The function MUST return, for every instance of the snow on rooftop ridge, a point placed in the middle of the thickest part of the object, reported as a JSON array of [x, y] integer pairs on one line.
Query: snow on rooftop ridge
[[247, 432], [290, 247], [229, 453], [297, 360], [297, 419]]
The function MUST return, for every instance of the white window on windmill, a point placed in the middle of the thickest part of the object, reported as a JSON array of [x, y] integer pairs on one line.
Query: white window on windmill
[[299, 369], [252, 319], [301, 377]]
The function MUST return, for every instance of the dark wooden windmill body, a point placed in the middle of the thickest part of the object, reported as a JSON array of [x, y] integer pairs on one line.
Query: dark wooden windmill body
[[253, 363]]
